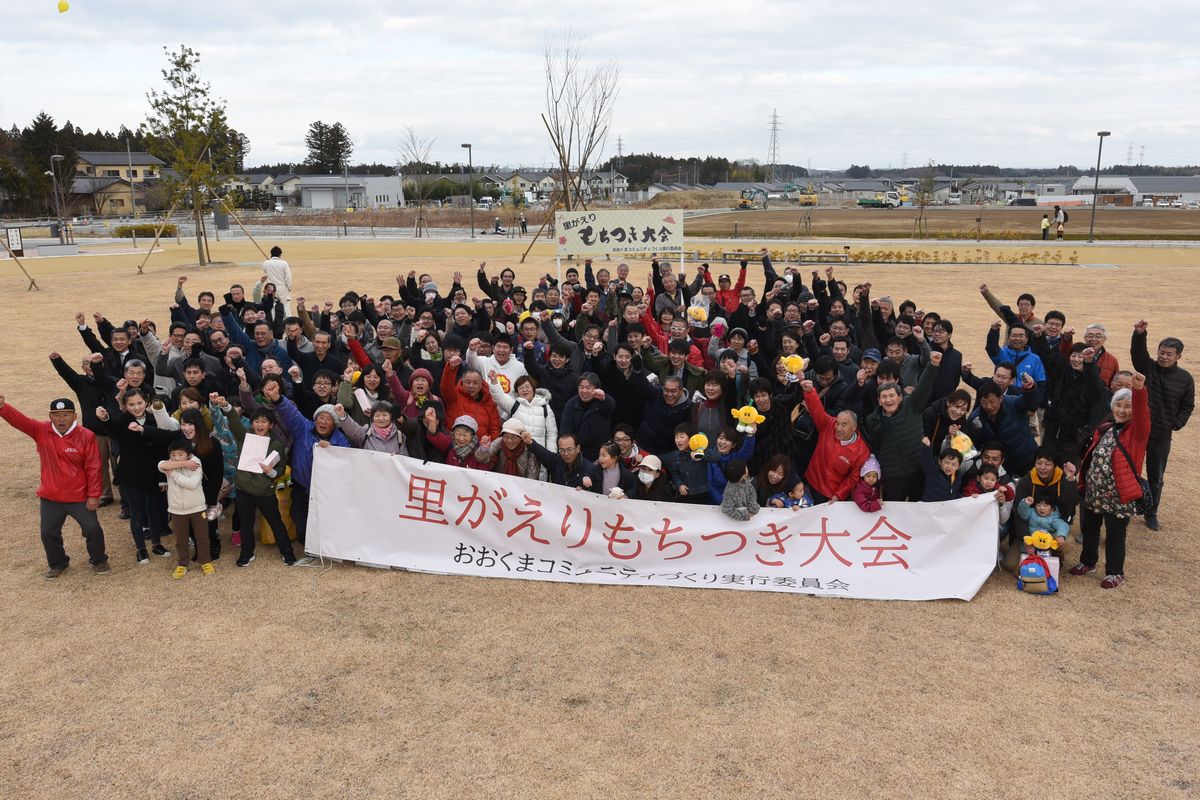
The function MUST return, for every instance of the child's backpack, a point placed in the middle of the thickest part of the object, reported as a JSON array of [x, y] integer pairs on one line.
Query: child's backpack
[[1034, 576], [1066, 217]]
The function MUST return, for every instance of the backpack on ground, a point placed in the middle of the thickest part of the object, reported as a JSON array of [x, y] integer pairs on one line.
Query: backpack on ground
[[1034, 576]]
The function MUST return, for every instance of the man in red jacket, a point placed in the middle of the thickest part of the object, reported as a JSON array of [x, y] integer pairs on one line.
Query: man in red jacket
[[833, 470], [70, 485]]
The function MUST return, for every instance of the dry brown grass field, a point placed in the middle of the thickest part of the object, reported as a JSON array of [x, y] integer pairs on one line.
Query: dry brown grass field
[[353, 682]]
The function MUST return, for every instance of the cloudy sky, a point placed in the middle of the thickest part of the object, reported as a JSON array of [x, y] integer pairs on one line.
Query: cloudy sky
[[1015, 84]]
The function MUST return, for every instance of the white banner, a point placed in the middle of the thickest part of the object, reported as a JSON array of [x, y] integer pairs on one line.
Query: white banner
[[397, 511], [582, 233]]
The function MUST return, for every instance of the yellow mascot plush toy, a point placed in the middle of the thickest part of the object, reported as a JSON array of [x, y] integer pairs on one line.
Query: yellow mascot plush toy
[[963, 444], [795, 366], [698, 444], [748, 419], [1041, 540], [697, 316]]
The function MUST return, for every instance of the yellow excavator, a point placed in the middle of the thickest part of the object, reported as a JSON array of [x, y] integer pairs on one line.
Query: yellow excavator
[[752, 198], [807, 197]]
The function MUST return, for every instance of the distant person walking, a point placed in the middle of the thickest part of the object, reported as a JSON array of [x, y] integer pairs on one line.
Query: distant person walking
[[524, 225], [70, 485], [1045, 227], [1060, 221], [277, 271]]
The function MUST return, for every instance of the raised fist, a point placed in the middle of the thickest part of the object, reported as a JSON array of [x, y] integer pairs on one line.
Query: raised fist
[[54, 355], [1139, 380], [182, 280], [80, 319], [935, 358], [339, 411], [1140, 326], [806, 386]]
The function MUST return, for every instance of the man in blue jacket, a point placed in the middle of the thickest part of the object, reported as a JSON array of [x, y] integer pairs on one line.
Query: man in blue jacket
[[1017, 352]]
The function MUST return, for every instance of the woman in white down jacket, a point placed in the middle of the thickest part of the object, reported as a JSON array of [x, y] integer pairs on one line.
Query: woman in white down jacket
[[531, 407]]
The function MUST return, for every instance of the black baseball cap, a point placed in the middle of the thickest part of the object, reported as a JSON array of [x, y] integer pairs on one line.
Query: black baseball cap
[[62, 404]]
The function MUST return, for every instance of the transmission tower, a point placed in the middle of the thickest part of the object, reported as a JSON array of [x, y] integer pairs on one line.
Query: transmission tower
[[773, 151], [1129, 154]]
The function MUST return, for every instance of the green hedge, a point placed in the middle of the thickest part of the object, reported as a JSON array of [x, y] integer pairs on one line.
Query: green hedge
[[146, 230]]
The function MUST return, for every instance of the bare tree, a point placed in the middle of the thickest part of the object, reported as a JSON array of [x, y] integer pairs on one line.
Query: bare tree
[[925, 190], [579, 106], [418, 182]]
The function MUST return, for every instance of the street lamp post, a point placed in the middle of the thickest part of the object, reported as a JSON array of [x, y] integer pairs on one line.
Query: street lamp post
[[471, 187], [57, 200], [1096, 185]]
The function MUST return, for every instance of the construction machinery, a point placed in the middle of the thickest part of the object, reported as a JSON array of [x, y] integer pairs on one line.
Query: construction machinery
[[807, 196], [881, 200], [752, 198]]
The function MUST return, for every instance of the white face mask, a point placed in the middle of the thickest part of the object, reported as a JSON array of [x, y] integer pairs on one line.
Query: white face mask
[[558, 323], [646, 477]]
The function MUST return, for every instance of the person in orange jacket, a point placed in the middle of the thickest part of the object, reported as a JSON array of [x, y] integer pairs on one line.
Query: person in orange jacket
[[463, 394]]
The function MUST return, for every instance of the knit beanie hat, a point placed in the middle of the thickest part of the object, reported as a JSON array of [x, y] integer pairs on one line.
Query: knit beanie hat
[[871, 465], [326, 408]]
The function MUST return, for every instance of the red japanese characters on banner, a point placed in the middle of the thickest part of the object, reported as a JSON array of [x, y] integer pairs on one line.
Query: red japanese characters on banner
[[401, 512]]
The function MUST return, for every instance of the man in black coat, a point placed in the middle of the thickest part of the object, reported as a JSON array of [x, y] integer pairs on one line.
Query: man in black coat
[[667, 408], [1172, 400]]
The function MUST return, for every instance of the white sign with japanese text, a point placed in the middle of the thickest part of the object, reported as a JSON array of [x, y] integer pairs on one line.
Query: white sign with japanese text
[[582, 233], [397, 511]]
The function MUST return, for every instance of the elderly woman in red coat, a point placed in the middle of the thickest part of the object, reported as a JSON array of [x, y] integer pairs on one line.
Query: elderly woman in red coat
[[1108, 481]]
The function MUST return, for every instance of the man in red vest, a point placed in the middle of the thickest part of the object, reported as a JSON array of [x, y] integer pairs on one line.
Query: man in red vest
[[70, 485]]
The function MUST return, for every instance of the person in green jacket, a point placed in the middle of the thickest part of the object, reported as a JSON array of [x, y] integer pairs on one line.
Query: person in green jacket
[[256, 491]]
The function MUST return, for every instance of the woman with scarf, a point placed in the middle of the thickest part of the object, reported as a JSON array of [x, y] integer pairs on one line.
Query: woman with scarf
[[380, 436], [511, 456], [465, 449], [411, 403]]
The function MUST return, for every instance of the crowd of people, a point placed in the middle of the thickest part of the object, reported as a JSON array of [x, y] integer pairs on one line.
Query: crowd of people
[[610, 387]]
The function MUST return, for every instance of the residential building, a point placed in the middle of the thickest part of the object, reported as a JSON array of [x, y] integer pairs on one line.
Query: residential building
[[116, 164], [103, 196]]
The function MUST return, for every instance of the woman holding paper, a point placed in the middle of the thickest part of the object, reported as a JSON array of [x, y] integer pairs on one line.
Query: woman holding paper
[[358, 397], [259, 464]]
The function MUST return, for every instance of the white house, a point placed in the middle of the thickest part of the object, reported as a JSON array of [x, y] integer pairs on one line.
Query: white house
[[382, 191]]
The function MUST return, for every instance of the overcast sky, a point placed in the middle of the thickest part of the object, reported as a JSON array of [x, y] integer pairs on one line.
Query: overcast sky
[[1014, 84]]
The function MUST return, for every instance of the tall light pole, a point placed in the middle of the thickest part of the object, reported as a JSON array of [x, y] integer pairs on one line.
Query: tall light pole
[[57, 200], [471, 187], [1096, 185]]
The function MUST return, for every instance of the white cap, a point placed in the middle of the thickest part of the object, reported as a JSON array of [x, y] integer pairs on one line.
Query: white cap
[[651, 462], [513, 426]]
